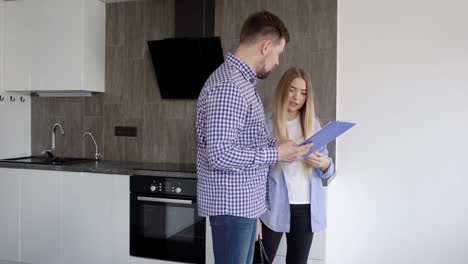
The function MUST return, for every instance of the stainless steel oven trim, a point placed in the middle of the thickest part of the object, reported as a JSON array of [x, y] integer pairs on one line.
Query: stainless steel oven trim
[[164, 200], [171, 174]]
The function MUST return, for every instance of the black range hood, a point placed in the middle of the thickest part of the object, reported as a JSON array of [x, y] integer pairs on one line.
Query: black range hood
[[194, 18], [182, 64]]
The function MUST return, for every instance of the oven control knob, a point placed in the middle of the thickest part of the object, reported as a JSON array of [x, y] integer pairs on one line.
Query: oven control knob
[[178, 190], [153, 188]]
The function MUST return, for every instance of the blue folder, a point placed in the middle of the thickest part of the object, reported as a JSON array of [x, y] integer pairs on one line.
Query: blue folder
[[328, 133]]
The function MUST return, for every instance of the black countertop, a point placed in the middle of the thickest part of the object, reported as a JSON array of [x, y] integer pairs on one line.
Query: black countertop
[[185, 170]]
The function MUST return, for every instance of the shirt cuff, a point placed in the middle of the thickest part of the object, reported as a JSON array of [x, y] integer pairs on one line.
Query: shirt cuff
[[267, 156], [328, 172], [272, 142]]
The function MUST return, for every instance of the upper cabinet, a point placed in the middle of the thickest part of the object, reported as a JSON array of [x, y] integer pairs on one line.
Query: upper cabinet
[[54, 45], [2, 15]]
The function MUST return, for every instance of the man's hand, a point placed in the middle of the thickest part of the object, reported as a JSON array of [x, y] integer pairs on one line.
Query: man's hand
[[258, 233], [290, 151]]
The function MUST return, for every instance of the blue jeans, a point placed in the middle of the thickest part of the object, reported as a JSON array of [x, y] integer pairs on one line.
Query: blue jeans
[[233, 239]]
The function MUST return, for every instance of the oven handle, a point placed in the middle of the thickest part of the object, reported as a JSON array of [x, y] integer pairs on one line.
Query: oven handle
[[164, 200]]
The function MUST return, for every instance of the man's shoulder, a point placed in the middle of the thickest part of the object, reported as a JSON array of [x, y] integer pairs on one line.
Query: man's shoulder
[[223, 74], [222, 80]]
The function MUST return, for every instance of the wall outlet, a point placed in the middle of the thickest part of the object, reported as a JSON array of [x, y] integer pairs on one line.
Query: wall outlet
[[121, 131]]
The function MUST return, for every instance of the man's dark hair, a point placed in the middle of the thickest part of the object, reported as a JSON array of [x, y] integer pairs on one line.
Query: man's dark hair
[[263, 24]]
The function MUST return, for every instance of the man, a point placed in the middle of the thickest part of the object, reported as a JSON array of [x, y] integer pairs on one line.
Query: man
[[233, 149]]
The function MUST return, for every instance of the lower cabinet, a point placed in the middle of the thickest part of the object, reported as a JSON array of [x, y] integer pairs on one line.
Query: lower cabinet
[[39, 217], [94, 218], [9, 214], [120, 222], [86, 218], [50, 217]]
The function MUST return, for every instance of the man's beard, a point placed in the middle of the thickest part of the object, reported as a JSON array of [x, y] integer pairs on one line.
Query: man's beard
[[263, 75]]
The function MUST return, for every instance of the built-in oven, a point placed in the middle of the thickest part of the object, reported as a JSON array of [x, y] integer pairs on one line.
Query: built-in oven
[[164, 222]]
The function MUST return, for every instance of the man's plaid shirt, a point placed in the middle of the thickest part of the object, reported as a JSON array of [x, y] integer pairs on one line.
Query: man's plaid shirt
[[233, 149]]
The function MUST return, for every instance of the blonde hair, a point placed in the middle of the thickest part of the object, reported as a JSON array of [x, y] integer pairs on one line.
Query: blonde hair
[[280, 105]]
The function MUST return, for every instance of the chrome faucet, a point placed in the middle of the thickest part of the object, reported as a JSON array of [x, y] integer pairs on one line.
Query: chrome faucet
[[97, 155], [53, 134], [49, 152]]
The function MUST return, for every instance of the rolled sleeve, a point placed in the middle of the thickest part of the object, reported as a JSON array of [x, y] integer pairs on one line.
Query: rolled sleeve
[[329, 172], [272, 142]]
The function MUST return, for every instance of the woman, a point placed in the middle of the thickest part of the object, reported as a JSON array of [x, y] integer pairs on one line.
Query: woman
[[297, 197]]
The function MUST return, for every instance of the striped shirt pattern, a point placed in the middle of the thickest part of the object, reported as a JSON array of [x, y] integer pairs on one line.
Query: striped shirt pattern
[[234, 150]]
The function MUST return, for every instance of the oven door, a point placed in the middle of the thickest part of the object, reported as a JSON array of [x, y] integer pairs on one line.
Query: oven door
[[166, 228]]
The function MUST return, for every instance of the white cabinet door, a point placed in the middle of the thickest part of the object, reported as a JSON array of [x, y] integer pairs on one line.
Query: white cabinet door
[[2, 39], [209, 254], [95, 218], [51, 217], [9, 214], [55, 45], [86, 218], [61, 45], [15, 126], [23, 29], [120, 238], [39, 216], [15, 134]]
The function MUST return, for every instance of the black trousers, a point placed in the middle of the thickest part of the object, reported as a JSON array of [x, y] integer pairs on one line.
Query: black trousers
[[298, 240]]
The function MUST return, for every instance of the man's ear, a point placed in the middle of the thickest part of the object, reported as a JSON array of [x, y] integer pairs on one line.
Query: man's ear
[[265, 46]]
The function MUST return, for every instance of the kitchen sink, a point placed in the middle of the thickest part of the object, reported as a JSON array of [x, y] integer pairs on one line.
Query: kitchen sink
[[47, 160]]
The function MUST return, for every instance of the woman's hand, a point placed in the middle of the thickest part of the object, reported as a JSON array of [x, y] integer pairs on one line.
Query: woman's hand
[[317, 160], [259, 230]]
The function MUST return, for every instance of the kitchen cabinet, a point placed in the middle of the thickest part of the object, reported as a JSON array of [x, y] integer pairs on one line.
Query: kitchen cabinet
[[94, 218], [209, 255], [55, 45], [86, 215], [15, 126], [39, 216], [9, 211], [21, 51], [64, 217], [2, 14], [15, 117], [120, 222]]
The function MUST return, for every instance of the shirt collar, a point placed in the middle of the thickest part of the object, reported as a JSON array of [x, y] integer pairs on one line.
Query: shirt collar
[[248, 73]]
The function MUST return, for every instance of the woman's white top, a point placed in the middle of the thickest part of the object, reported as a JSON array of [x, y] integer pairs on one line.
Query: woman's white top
[[295, 173]]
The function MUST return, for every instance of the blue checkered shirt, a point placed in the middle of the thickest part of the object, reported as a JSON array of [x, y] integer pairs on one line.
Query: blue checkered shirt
[[234, 150]]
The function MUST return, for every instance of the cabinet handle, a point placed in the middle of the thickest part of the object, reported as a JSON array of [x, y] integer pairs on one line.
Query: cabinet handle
[[12, 98], [2, 98], [164, 200], [22, 99]]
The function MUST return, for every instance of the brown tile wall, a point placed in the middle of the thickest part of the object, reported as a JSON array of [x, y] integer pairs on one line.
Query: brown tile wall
[[165, 128]]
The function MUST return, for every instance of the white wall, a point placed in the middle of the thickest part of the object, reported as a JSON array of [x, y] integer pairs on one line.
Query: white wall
[[15, 117], [401, 192]]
